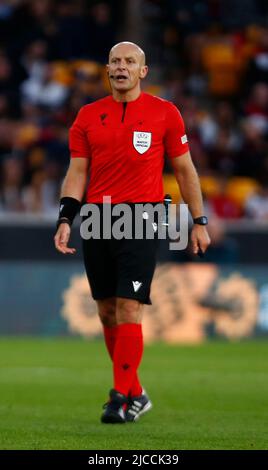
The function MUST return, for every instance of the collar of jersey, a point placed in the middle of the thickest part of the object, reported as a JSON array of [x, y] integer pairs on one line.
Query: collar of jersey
[[137, 100]]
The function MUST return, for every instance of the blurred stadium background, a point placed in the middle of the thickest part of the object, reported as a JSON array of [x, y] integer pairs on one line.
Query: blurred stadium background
[[210, 58]]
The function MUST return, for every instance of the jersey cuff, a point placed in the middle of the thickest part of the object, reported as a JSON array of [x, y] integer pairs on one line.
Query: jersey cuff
[[75, 155]]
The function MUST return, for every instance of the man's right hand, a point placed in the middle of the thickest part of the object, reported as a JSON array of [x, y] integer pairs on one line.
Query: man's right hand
[[61, 239]]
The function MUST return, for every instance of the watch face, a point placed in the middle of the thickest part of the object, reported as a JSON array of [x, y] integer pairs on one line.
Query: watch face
[[203, 220]]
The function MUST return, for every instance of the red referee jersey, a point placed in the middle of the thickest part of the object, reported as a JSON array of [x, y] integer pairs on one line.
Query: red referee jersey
[[126, 144]]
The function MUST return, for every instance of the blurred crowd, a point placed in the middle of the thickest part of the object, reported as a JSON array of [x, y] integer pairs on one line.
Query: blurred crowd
[[209, 57]]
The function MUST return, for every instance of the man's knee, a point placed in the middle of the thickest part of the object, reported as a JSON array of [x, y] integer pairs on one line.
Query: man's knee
[[107, 311], [128, 310]]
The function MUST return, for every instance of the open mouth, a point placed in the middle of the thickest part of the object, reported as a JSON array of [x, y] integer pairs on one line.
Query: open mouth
[[120, 78]]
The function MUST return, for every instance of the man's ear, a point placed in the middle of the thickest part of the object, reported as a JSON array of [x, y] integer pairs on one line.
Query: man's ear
[[143, 71], [107, 69]]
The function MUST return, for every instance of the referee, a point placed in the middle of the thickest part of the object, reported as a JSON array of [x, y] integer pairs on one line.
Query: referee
[[119, 143]]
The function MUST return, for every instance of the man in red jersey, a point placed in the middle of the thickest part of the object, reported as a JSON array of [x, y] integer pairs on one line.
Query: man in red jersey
[[120, 142]]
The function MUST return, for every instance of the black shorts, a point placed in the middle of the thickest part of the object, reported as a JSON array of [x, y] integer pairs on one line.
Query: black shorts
[[120, 268]]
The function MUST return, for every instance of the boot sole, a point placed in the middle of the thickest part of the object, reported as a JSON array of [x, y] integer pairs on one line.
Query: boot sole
[[112, 419]]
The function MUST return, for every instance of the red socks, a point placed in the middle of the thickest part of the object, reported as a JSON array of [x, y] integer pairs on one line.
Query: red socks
[[125, 346], [127, 356]]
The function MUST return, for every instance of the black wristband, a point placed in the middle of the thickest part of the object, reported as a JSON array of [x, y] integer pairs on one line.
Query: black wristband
[[69, 206]]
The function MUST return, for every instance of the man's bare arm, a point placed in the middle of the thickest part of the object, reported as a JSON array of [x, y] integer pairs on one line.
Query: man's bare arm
[[188, 181], [74, 185]]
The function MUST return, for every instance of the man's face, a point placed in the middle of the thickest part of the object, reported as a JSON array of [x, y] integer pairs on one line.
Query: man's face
[[126, 67]]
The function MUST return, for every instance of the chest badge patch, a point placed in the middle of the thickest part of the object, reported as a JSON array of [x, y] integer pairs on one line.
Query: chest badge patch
[[142, 141]]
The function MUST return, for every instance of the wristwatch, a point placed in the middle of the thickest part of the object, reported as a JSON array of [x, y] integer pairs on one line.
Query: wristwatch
[[203, 220]]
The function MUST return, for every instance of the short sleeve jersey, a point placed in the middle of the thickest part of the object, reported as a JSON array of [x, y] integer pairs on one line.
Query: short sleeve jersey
[[126, 144]]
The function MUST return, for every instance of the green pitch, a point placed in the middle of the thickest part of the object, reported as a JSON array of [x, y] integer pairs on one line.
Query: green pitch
[[213, 396]]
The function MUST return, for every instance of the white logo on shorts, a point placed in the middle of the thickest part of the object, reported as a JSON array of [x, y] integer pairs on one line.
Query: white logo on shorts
[[136, 285], [142, 141]]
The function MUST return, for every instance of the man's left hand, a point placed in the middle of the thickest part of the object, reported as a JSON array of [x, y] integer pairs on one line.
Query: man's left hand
[[200, 239]]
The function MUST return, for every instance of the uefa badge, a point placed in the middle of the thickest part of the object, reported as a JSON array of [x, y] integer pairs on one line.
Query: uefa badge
[[142, 141]]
